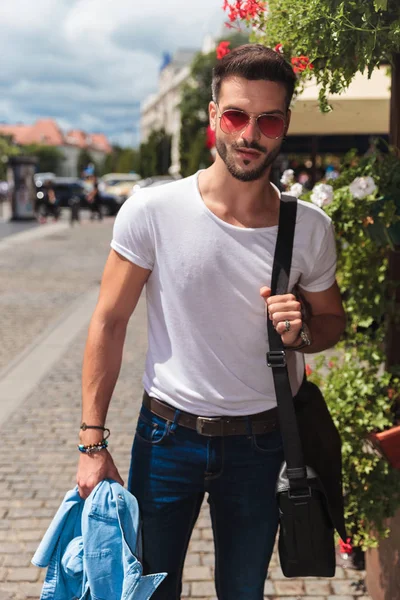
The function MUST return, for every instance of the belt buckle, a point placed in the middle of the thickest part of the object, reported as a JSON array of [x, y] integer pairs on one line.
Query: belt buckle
[[201, 422]]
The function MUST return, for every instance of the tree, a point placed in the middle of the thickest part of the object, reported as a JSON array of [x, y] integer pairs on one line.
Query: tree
[[49, 157], [127, 161], [155, 154], [120, 160], [7, 149], [109, 162], [196, 95]]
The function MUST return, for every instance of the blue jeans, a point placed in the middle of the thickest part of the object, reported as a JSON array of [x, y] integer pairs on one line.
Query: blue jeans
[[172, 467]]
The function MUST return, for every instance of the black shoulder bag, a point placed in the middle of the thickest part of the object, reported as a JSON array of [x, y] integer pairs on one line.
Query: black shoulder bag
[[309, 487]]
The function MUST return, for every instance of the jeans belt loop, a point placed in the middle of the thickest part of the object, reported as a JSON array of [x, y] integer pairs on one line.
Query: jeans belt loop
[[175, 422]]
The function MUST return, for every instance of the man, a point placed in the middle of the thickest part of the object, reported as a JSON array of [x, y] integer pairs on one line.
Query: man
[[204, 248], [94, 201]]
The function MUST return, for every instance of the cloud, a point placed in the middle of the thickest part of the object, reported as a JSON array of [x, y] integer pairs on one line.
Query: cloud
[[90, 63]]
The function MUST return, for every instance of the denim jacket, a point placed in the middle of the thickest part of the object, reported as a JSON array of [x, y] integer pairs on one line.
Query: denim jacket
[[90, 548]]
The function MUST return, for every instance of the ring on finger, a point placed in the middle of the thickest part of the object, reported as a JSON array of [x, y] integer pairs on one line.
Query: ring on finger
[[287, 325]]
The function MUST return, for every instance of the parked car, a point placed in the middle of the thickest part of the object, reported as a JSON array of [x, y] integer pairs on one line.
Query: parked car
[[67, 188], [152, 182], [40, 178], [106, 182], [122, 189]]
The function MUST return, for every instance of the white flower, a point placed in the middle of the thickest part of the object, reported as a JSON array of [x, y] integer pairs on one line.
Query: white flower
[[296, 190], [287, 177], [362, 187], [322, 194]]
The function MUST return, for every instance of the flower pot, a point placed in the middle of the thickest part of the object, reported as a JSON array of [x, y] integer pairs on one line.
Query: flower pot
[[388, 444]]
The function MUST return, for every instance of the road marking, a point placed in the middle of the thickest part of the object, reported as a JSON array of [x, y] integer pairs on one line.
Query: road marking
[[22, 375], [39, 232]]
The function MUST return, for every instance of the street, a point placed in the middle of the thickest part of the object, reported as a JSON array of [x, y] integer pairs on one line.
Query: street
[[48, 288]]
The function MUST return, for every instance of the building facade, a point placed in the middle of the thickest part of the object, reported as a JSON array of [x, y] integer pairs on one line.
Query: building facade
[[161, 110], [46, 132]]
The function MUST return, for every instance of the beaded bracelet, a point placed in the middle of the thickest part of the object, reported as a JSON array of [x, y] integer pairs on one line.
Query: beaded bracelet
[[91, 448]]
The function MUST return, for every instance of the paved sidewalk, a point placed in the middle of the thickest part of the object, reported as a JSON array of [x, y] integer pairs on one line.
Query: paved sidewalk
[[39, 438]]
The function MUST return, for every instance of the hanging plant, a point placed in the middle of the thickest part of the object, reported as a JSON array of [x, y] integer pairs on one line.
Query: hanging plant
[[330, 40]]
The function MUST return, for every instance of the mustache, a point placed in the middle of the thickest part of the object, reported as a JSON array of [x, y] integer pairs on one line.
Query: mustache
[[249, 146]]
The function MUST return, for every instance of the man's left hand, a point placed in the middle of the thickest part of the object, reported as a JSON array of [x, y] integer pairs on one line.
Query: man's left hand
[[284, 311]]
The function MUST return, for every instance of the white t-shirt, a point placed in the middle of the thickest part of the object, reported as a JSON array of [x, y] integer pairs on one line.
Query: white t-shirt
[[207, 332]]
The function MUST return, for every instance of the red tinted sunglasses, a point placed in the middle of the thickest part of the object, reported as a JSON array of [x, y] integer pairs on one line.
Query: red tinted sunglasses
[[234, 120]]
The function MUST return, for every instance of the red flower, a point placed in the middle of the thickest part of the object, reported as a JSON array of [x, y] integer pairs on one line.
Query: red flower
[[301, 63], [223, 49], [243, 9], [390, 393], [308, 370], [345, 547], [279, 48], [230, 26], [331, 364], [210, 138]]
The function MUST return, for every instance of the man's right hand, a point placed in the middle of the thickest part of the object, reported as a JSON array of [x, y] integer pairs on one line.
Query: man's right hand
[[95, 468]]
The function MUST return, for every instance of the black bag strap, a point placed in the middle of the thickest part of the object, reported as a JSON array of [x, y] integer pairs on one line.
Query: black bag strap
[[276, 357]]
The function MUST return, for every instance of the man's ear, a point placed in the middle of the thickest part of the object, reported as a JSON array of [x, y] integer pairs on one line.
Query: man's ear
[[213, 115]]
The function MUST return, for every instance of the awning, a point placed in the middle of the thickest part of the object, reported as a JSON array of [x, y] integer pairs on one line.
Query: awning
[[362, 110]]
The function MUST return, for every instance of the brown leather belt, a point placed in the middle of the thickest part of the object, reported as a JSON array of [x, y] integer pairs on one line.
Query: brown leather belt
[[264, 422]]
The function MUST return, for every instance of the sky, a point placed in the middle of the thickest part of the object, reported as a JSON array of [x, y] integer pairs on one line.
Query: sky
[[90, 63]]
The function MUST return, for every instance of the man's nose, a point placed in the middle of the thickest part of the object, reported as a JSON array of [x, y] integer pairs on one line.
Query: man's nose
[[251, 132]]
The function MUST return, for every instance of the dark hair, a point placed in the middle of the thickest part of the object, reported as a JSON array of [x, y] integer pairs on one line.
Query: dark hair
[[254, 62]]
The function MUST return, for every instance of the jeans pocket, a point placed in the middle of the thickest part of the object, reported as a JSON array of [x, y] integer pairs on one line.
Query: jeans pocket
[[268, 443], [151, 430]]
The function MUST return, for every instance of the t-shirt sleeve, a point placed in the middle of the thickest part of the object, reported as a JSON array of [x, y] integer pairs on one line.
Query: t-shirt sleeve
[[132, 234], [322, 272]]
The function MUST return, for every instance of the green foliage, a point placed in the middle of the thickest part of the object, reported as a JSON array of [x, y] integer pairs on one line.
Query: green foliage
[[127, 161], [196, 96], [341, 37], [362, 257], [110, 162], [7, 149], [120, 160], [357, 396], [359, 390], [49, 157], [155, 154]]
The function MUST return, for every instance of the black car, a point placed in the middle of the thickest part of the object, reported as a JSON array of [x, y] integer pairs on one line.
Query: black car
[[68, 188]]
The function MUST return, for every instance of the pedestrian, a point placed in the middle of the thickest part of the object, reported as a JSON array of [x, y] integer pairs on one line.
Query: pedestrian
[[203, 247], [50, 203], [94, 200], [74, 205]]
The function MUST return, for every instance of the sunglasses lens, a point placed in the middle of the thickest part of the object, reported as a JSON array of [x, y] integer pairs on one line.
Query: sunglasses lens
[[270, 126], [233, 120]]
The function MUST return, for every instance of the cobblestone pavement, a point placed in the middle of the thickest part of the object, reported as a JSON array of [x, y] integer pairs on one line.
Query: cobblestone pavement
[[10, 228], [40, 436], [40, 279]]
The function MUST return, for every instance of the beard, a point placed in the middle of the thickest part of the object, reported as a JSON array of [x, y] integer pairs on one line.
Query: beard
[[226, 153]]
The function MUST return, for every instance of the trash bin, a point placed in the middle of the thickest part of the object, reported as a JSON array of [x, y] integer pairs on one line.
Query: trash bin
[[22, 189]]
